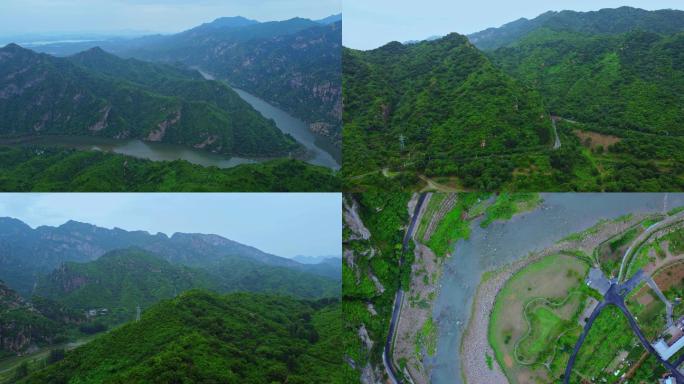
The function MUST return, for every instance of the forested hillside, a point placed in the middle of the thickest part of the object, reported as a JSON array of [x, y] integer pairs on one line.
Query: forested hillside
[[424, 105], [585, 102], [22, 325], [217, 263], [98, 94], [201, 337], [294, 63], [119, 282], [60, 170], [603, 22], [374, 226]]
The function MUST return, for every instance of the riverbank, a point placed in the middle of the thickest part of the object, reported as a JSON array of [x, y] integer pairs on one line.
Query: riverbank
[[475, 346]]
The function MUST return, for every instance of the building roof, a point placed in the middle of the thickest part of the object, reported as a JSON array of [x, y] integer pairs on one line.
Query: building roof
[[666, 351]]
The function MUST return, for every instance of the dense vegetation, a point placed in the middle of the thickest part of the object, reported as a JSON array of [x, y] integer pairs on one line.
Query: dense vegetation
[[204, 338], [432, 107], [119, 282], [364, 304], [53, 170], [602, 22], [306, 80], [95, 93], [30, 253], [614, 79], [22, 326]]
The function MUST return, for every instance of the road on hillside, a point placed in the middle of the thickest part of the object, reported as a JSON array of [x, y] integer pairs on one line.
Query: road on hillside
[[398, 299], [557, 143]]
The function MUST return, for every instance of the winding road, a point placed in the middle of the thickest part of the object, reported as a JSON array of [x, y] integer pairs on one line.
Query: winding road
[[398, 299], [616, 296], [557, 143]]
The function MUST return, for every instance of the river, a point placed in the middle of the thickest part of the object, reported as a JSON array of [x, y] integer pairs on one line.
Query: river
[[319, 150], [560, 214], [169, 152]]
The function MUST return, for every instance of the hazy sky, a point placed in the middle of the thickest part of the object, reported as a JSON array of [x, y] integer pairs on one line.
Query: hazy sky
[[285, 224], [370, 24], [41, 16]]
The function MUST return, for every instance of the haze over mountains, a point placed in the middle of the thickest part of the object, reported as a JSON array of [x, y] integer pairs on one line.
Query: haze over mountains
[[28, 254], [96, 93], [293, 63], [476, 111]]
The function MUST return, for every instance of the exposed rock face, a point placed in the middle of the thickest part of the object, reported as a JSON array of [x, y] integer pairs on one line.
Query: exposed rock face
[[102, 124], [353, 221], [21, 325], [158, 135], [48, 248], [69, 282]]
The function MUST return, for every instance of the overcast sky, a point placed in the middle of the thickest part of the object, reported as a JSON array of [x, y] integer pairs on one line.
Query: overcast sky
[[285, 224], [19, 17], [370, 24]]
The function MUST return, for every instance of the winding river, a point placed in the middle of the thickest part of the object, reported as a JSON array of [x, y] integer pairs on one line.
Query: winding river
[[169, 152], [560, 214], [320, 152]]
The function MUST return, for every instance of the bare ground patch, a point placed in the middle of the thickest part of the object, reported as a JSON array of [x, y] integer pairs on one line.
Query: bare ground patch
[[596, 139]]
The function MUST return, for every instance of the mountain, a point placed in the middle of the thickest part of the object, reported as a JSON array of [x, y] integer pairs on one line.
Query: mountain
[[26, 254], [633, 81], [98, 94], [62, 170], [615, 80], [294, 64], [332, 19], [120, 281], [316, 259], [202, 337], [22, 326], [227, 22], [602, 22], [430, 105]]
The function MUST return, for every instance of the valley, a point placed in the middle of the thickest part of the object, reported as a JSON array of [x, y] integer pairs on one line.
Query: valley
[[74, 289], [147, 102]]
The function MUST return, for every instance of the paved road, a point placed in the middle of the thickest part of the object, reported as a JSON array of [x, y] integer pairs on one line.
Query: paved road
[[557, 143], [616, 296], [398, 299]]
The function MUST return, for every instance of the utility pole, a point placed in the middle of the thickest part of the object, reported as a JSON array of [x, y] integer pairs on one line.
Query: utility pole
[[137, 314]]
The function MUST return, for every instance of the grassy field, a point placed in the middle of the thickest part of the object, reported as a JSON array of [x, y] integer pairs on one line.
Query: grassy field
[[509, 204], [453, 226], [610, 252], [609, 337], [551, 281], [648, 310]]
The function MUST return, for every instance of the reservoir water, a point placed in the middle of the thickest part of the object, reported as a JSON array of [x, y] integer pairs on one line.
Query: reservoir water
[[288, 124], [169, 152], [139, 149], [560, 214]]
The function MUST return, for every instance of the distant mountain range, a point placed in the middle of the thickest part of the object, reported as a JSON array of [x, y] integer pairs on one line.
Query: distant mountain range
[[317, 259], [293, 63], [26, 255], [603, 22]]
